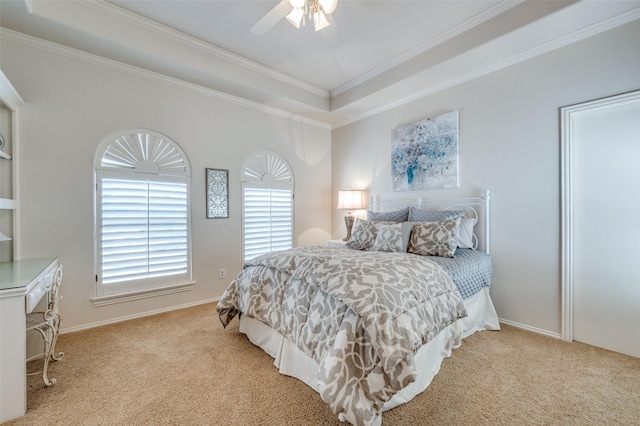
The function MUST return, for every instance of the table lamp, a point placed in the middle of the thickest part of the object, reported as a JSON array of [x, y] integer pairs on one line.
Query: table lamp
[[351, 199]]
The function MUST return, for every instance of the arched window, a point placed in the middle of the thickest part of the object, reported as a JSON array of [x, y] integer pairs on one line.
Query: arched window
[[267, 204], [143, 226]]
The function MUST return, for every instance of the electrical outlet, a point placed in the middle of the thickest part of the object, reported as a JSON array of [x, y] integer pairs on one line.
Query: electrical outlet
[[222, 273]]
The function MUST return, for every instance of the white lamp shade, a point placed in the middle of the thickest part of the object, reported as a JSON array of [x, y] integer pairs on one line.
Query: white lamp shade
[[297, 3], [351, 200]]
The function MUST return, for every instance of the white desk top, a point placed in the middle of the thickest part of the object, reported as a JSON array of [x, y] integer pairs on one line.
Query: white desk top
[[22, 272]]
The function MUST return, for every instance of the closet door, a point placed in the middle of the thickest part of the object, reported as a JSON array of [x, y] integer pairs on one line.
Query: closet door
[[606, 226]]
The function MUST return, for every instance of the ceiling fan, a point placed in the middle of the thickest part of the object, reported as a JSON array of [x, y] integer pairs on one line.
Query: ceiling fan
[[297, 13]]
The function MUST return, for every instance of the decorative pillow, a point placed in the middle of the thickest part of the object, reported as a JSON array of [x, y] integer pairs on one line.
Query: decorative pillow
[[363, 234], [465, 234], [417, 215], [395, 216], [392, 238], [434, 238]]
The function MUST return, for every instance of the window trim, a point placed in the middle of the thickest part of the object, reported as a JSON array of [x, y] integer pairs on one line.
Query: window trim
[[149, 170], [266, 169]]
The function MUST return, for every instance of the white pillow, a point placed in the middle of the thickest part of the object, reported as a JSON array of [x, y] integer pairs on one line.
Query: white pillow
[[465, 233]]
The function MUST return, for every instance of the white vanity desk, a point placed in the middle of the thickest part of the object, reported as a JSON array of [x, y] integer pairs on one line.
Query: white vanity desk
[[23, 283]]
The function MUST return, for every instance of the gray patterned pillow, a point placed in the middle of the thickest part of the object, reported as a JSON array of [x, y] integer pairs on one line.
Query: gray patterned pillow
[[392, 238], [434, 238], [363, 234], [417, 215], [395, 216]]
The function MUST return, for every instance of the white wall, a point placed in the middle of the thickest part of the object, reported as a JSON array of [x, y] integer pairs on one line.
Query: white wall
[[71, 105], [509, 144]]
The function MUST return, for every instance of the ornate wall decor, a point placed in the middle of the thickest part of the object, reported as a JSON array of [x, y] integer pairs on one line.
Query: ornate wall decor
[[217, 193], [424, 155]]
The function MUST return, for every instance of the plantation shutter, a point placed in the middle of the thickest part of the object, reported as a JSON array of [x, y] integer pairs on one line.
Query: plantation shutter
[[267, 204], [144, 227], [142, 217], [268, 219]]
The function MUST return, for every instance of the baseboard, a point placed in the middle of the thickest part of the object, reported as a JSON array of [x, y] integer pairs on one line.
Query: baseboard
[[215, 299], [529, 328], [139, 315]]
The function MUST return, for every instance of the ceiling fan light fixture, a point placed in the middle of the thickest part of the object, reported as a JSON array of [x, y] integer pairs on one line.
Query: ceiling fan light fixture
[[301, 10], [319, 20], [328, 6], [295, 16]]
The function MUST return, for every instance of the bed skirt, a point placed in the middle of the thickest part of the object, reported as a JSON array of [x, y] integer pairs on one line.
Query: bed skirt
[[291, 361]]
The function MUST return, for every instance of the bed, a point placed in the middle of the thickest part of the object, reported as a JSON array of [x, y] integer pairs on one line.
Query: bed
[[367, 325]]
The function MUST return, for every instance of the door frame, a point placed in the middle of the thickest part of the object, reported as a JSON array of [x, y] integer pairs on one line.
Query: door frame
[[568, 115]]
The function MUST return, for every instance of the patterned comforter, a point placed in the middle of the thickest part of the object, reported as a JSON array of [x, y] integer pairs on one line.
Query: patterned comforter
[[360, 315]]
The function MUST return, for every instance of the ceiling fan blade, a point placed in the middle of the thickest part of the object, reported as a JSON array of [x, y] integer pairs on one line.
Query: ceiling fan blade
[[272, 17], [330, 34]]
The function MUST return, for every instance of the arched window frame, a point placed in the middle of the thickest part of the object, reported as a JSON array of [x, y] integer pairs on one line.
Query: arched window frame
[[154, 165], [268, 179]]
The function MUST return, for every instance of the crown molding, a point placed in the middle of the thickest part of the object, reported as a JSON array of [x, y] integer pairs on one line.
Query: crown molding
[[101, 7], [68, 52], [576, 36], [485, 15], [360, 109]]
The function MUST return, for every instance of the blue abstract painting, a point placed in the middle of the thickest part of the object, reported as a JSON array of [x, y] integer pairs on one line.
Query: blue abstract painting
[[424, 155]]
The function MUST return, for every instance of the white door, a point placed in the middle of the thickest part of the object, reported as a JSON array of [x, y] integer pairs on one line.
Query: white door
[[606, 226]]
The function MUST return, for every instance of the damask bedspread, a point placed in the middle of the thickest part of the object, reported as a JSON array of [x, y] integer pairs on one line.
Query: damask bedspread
[[360, 315]]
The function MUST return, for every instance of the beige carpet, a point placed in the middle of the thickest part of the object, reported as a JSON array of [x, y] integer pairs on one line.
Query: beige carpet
[[183, 368]]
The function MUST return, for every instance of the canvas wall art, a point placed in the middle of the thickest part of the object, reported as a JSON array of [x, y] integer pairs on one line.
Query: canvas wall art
[[424, 155]]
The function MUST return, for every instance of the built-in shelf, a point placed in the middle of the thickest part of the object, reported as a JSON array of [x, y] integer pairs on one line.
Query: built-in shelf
[[7, 203], [11, 102]]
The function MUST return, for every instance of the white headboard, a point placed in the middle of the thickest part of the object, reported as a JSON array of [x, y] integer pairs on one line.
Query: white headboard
[[475, 207]]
